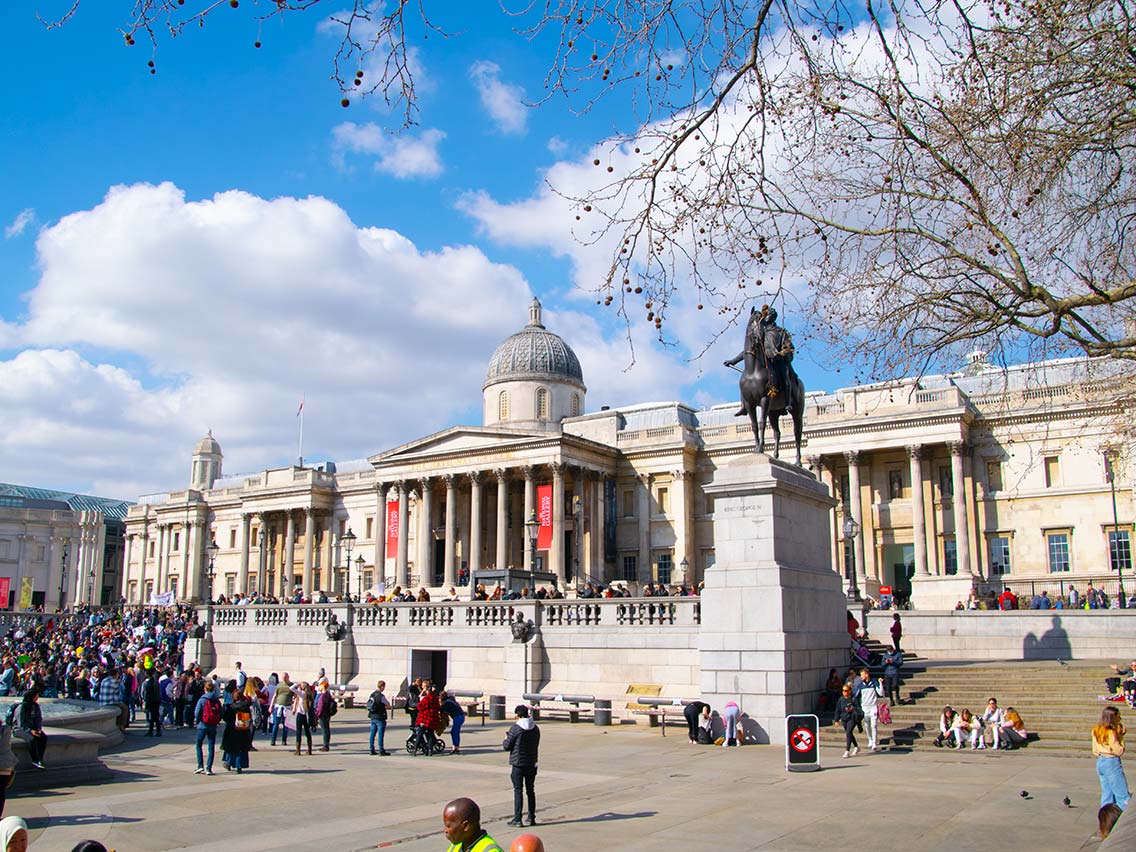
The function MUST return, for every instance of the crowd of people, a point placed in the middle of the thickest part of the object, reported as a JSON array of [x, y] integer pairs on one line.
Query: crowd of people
[[1069, 597]]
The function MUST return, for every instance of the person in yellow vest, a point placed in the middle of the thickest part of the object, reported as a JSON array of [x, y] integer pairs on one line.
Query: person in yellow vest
[[462, 821]]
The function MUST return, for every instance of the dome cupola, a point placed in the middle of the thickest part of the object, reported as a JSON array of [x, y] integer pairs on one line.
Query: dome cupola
[[534, 378]]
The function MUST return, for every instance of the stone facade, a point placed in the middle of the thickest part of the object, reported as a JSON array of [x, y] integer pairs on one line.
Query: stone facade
[[974, 478]]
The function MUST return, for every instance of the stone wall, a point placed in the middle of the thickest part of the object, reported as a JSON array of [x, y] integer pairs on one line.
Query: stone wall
[[1015, 635], [594, 648]]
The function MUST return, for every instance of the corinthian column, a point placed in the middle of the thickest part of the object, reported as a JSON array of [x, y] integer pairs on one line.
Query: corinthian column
[[502, 517], [856, 507], [958, 502], [918, 512], [450, 573], [474, 522]]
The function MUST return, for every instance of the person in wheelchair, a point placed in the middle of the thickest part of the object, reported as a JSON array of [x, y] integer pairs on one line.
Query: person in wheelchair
[[429, 715]]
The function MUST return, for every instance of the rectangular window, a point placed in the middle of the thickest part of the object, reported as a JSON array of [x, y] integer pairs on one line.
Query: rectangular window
[[230, 585], [993, 476], [1052, 472], [663, 500], [946, 482], [999, 555], [370, 527], [628, 503], [151, 549], [254, 538], [1058, 552], [342, 527], [665, 567], [1119, 550], [895, 484], [177, 541], [950, 557], [842, 483], [630, 569], [174, 586], [233, 539]]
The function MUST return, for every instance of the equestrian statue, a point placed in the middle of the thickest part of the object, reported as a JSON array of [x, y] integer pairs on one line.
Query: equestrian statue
[[769, 383]]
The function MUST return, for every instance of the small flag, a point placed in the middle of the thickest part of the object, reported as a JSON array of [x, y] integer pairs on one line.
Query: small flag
[[301, 408]]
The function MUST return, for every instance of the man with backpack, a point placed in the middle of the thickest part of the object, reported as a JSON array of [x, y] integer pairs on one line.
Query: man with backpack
[[326, 707], [377, 708], [206, 716], [523, 744]]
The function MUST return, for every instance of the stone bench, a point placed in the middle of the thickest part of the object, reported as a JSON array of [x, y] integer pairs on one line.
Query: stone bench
[[72, 757]]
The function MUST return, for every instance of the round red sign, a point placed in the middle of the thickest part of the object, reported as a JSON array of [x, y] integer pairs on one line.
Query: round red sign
[[801, 740]]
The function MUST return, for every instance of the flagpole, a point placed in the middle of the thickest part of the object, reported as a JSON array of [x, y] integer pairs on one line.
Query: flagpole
[[300, 454]]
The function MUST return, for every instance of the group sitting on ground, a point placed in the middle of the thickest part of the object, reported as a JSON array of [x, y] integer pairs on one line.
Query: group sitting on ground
[[1122, 685], [1005, 727]]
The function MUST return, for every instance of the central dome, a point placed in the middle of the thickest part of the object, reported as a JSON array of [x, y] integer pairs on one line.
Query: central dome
[[534, 353]]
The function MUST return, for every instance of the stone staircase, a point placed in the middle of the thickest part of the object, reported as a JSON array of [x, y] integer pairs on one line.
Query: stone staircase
[[1057, 701]]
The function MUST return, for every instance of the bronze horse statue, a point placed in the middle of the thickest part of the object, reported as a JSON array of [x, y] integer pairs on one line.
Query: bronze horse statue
[[762, 359]]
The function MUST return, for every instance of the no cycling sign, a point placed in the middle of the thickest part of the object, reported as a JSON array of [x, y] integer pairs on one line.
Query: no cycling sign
[[802, 752]]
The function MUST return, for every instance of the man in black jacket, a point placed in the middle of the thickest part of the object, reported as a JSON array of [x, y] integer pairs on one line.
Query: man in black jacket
[[523, 743]]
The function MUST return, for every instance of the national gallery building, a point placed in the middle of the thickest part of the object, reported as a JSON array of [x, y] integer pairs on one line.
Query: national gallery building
[[951, 481]]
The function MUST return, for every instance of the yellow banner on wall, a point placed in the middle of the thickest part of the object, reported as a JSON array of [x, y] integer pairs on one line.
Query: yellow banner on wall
[[27, 586]]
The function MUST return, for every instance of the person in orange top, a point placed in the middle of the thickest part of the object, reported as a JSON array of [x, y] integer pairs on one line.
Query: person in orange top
[[1108, 746]]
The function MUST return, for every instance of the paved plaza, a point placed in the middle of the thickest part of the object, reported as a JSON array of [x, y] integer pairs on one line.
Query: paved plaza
[[619, 788]]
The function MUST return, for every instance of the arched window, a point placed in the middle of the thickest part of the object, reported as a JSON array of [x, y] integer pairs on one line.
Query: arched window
[[575, 405], [542, 404], [503, 406]]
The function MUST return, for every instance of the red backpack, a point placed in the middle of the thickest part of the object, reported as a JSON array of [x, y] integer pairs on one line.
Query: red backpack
[[211, 712]]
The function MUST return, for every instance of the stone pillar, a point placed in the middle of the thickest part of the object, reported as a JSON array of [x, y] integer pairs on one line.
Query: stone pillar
[[289, 554], [474, 522], [530, 507], [309, 549], [502, 517], [163, 560], [262, 560], [681, 520], [125, 568], [246, 544], [855, 506], [958, 503], [425, 558], [327, 569], [918, 512], [556, 549], [773, 613], [400, 565], [142, 569], [191, 575], [381, 534], [186, 580], [599, 519], [644, 513], [449, 569]]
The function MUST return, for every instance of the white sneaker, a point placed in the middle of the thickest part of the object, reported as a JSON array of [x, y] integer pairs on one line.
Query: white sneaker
[[982, 746], [199, 770], [855, 750], [845, 754], [875, 748]]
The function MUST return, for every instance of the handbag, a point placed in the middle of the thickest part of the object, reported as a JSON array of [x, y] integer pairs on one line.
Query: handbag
[[885, 713]]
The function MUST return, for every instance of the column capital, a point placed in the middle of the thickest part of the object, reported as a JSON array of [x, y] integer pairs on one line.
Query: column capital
[[502, 474], [529, 472], [915, 452], [380, 486], [682, 475], [558, 468], [852, 456], [475, 477], [450, 480], [644, 478], [814, 462], [957, 448]]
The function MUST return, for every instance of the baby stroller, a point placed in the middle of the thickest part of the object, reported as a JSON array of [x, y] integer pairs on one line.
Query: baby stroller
[[420, 742]]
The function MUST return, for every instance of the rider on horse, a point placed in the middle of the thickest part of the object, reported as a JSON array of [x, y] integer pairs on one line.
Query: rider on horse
[[774, 346]]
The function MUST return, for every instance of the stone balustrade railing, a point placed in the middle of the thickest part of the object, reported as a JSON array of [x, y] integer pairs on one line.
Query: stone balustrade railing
[[618, 612]]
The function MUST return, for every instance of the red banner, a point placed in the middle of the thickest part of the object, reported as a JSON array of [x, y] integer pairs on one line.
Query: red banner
[[544, 515], [5, 591], [392, 528]]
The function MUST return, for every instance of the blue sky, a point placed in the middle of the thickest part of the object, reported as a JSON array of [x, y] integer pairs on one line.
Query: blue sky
[[258, 249]]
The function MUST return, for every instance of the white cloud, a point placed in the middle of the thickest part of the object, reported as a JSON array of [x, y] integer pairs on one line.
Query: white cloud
[[25, 217], [557, 146], [401, 155], [156, 318], [505, 102]]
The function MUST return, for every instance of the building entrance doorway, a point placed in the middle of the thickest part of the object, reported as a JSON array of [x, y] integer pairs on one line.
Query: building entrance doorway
[[899, 568], [439, 567], [430, 665]]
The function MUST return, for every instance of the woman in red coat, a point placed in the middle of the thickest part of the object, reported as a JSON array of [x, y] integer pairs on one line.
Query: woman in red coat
[[429, 715]]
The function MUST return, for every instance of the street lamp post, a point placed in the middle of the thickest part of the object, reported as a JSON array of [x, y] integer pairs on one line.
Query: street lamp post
[[62, 575], [212, 550], [348, 542], [1110, 471], [851, 530], [532, 530], [683, 567], [359, 563]]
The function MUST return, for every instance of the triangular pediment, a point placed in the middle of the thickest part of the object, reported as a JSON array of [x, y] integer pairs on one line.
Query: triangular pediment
[[461, 439]]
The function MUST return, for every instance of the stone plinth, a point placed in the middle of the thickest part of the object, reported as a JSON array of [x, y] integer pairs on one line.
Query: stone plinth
[[773, 610], [932, 594]]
